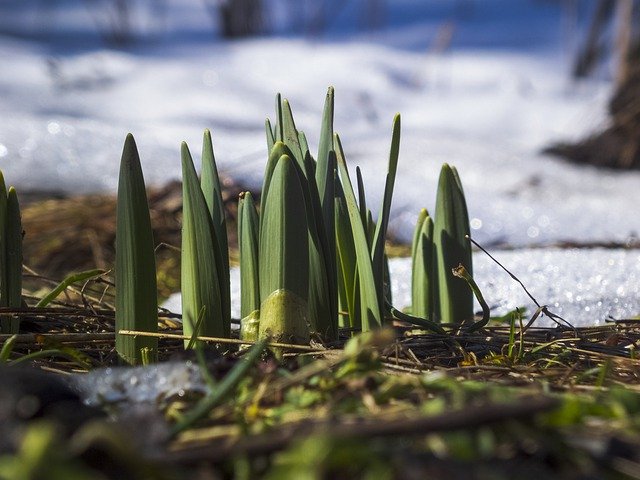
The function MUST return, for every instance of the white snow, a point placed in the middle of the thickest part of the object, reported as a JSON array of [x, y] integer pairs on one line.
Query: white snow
[[584, 286], [488, 104]]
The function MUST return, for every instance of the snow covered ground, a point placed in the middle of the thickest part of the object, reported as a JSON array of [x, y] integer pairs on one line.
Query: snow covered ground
[[488, 103], [584, 286]]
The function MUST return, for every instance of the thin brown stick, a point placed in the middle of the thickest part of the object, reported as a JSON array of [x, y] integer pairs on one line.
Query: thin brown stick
[[42, 338], [232, 341]]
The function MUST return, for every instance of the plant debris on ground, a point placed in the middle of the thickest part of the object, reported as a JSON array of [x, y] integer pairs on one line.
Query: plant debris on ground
[[396, 403]]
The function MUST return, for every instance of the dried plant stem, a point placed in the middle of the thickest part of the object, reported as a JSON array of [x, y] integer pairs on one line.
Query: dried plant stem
[[231, 341]]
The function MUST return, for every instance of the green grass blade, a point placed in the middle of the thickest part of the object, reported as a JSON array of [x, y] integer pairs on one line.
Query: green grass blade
[[13, 265], [248, 235], [362, 203], [383, 219], [196, 328], [328, 321], [14, 250], [346, 262], [422, 271], [136, 290], [291, 136], [414, 320], [3, 243], [279, 134], [304, 146], [388, 295], [452, 246], [223, 389], [422, 216], [7, 348], [212, 191], [371, 314], [271, 139], [65, 352], [199, 272], [67, 282], [323, 302], [462, 272], [284, 257], [325, 180], [325, 147]]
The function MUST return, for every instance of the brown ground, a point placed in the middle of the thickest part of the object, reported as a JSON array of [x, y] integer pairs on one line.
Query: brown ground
[[73, 234]]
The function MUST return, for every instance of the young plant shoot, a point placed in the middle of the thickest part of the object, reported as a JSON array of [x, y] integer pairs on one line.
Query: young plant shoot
[[136, 291]]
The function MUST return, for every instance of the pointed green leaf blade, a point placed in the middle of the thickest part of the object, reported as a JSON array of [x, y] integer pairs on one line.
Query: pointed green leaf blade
[[371, 314], [200, 283], [284, 257], [212, 191], [383, 219], [422, 271], [248, 235], [136, 291], [3, 243], [325, 146], [11, 324], [271, 139], [451, 226], [346, 262]]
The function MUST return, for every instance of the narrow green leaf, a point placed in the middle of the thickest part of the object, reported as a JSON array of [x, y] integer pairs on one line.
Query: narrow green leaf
[[212, 191], [271, 139], [14, 250], [7, 348], [136, 290], [346, 261], [452, 246], [325, 147], [199, 272], [362, 202], [325, 180], [304, 147], [224, 388], [248, 235], [279, 134], [291, 137], [383, 219], [462, 272], [422, 271], [323, 304], [420, 322], [388, 294], [3, 243], [422, 216], [196, 329], [67, 282], [13, 245], [371, 314]]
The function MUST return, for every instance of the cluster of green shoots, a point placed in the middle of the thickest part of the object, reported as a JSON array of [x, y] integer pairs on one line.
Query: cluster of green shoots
[[312, 260]]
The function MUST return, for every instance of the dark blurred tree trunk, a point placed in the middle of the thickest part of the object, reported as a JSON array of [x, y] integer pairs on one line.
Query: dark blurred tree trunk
[[618, 145], [594, 47], [241, 18]]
